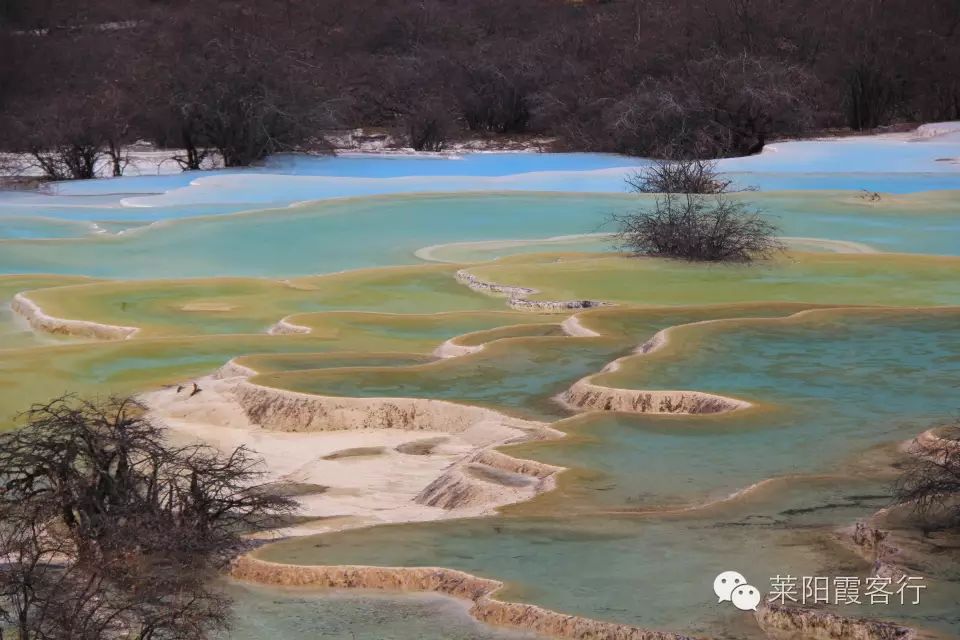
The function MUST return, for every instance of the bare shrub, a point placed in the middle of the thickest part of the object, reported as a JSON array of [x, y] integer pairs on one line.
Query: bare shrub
[[683, 222], [678, 176], [930, 481], [694, 227]]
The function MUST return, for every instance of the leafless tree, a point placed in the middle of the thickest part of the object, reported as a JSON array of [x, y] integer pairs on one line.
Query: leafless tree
[[105, 527]]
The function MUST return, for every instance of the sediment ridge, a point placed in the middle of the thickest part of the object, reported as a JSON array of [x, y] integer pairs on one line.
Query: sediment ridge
[[892, 554], [452, 348], [518, 298], [573, 327], [586, 396], [468, 482], [450, 582], [285, 328], [284, 410], [42, 322], [874, 545], [233, 369], [485, 477], [776, 619], [479, 478]]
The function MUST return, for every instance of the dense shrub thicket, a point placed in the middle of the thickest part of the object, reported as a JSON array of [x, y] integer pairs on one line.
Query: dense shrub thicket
[[79, 80]]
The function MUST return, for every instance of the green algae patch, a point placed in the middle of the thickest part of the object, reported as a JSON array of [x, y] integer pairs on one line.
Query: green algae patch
[[515, 375], [533, 330], [641, 323], [278, 362], [12, 284], [253, 305], [410, 332], [519, 370], [839, 279], [123, 367], [863, 203]]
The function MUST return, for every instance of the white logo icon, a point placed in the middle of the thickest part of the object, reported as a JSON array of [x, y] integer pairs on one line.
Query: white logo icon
[[724, 584], [732, 586], [745, 598]]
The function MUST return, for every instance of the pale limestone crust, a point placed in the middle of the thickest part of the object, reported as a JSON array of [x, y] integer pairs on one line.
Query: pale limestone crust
[[475, 485], [774, 619], [449, 582], [586, 396], [465, 277], [817, 624], [500, 460], [452, 348], [40, 321], [232, 369], [518, 298], [285, 328], [929, 442], [283, 410], [485, 478], [875, 545], [573, 327], [886, 549], [302, 439]]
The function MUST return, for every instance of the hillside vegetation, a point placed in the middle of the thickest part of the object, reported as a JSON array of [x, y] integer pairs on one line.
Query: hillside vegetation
[[246, 78]]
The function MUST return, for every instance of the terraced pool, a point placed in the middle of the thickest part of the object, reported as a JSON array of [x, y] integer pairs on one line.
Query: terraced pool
[[337, 278]]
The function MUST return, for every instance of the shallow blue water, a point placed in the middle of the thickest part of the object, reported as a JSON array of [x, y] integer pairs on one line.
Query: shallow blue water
[[885, 164], [333, 236]]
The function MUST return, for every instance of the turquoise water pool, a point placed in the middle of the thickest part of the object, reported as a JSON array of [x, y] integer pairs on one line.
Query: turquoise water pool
[[333, 236], [299, 614], [836, 390], [833, 395]]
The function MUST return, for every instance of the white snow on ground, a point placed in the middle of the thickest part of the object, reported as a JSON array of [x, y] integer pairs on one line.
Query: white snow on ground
[[941, 131], [139, 161]]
